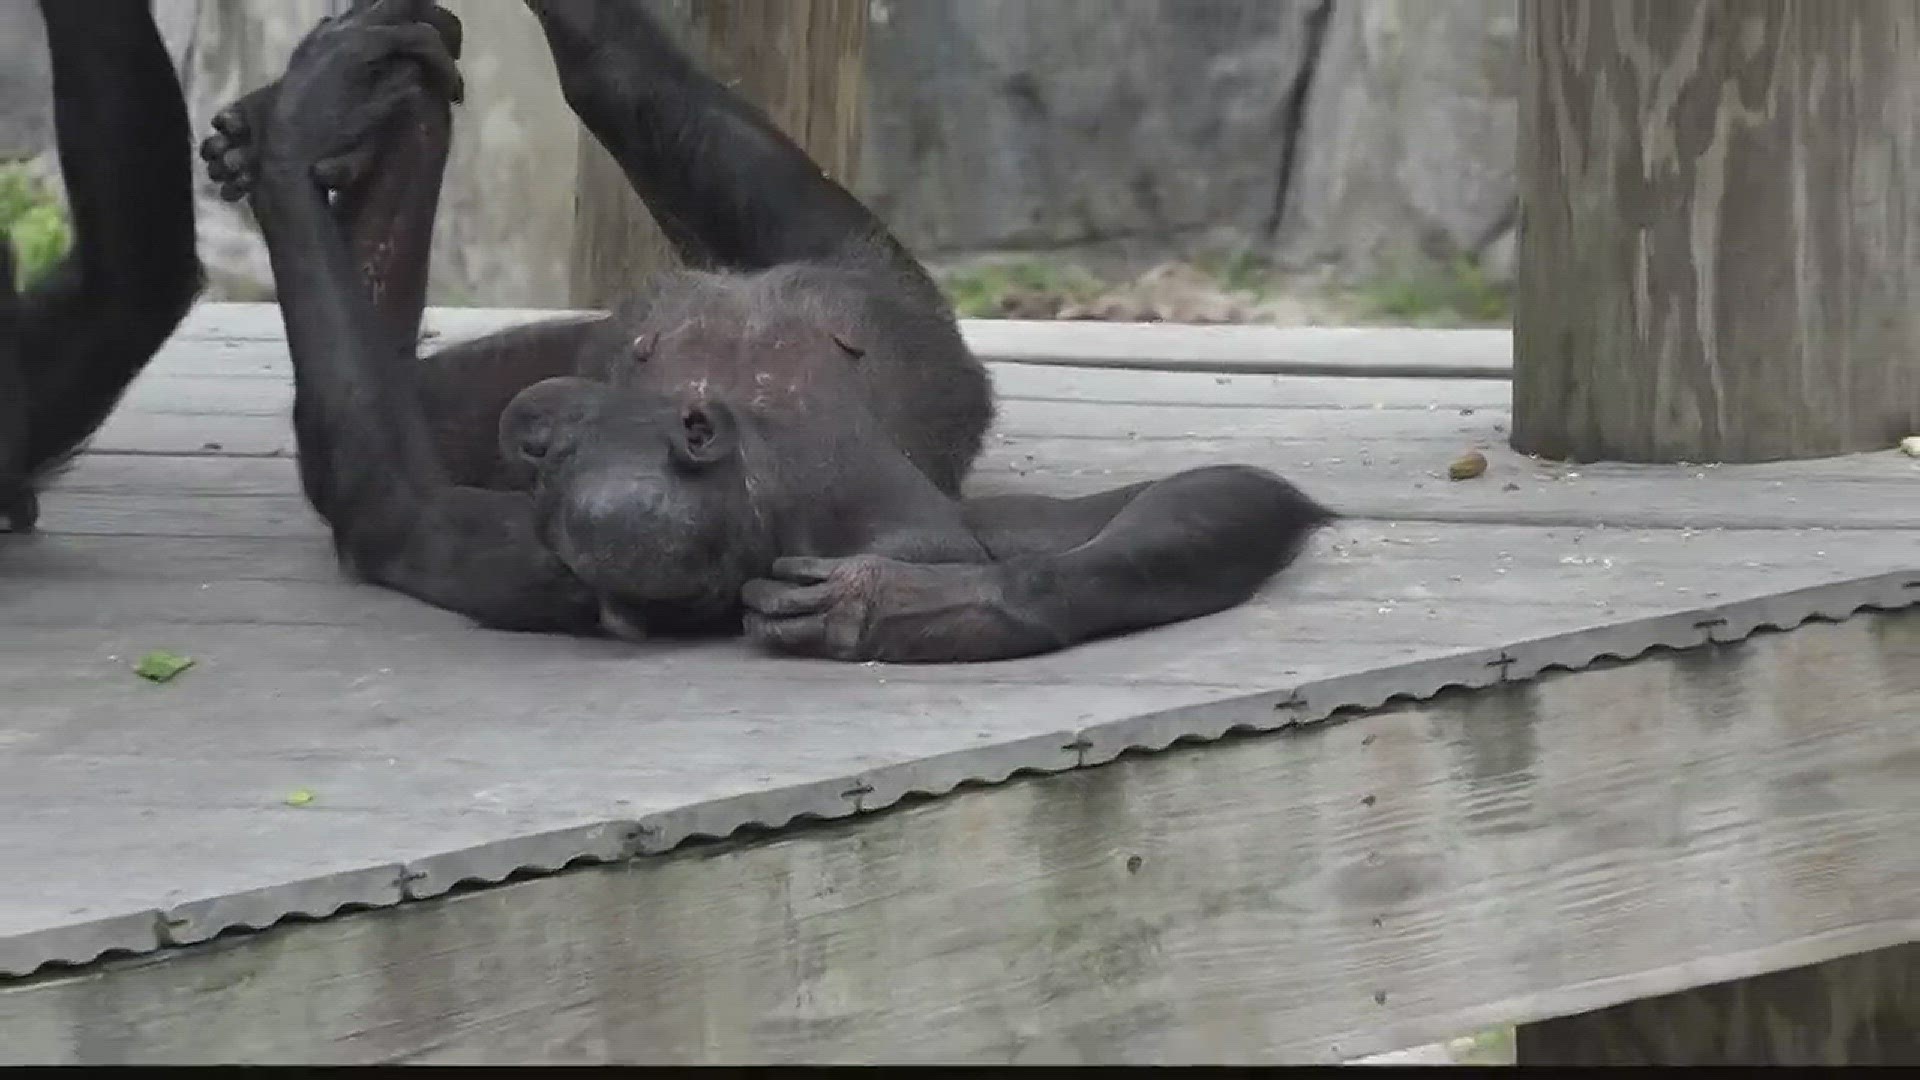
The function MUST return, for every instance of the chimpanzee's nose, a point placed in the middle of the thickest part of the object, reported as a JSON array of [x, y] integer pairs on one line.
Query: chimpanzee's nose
[[534, 439], [543, 421]]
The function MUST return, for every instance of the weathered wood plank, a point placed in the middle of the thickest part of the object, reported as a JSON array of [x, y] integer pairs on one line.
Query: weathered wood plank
[[1721, 240], [421, 734], [1517, 854], [1360, 351], [255, 360], [1392, 481], [280, 641], [1362, 477], [1384, 562], [1308, 416], [217, 322], [1308, 350], [1263, 645], [1856, 1010]]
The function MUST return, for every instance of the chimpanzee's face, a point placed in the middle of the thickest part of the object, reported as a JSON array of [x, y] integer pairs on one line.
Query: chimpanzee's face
[[643, 496]]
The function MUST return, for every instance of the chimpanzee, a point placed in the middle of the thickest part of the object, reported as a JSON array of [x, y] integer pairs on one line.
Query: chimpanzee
[[776, 437], [72, 342]]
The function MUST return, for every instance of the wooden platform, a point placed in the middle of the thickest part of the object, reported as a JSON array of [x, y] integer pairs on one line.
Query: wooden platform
[[1476, 857]]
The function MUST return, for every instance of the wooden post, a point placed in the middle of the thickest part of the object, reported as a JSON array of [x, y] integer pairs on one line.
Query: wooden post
[[1720, 246], [799, 60], [1857, 1010]]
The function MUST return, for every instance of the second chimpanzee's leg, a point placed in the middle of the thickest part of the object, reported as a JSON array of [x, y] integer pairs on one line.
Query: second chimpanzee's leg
[[1065, 571], [78, 336], [19, 507]]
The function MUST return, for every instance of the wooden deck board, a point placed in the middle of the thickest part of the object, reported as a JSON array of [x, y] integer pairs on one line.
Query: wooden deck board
[[419, 735], [1480, 858], [1154, 346]]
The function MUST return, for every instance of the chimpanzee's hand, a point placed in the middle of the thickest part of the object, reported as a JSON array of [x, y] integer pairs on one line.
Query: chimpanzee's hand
[[872, 608]]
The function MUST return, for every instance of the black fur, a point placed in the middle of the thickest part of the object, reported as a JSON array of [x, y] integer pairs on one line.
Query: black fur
[[71, 344], [779, 436]]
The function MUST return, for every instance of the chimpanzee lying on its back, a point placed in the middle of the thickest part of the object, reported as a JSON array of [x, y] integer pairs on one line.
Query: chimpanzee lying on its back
[[785, 433]]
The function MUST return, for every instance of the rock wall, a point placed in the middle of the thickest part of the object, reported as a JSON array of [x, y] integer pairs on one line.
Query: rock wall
[[1048, 123], [505, 213], [26, 113], [1343, 135], [1407, 138]]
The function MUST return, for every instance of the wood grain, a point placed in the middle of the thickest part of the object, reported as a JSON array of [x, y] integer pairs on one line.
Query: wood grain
[[1721, 236], [1229, 349], [1856, 1010], [1512, 855]]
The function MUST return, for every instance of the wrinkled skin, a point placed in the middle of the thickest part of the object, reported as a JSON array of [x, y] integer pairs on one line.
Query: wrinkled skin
[[74, 340], [776, 439]]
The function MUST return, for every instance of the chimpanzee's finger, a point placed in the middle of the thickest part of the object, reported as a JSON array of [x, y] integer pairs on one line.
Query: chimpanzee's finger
[[424, 43], [803, 569], [230, 122], [454, 34], [812, 635], [780, 600], [398, 12]]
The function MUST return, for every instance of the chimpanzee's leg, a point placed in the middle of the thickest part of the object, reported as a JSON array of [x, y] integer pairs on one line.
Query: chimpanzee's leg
[[386, 188], [727, 187], [356, 112], [19, 507], [1065, 571], [80, 334]]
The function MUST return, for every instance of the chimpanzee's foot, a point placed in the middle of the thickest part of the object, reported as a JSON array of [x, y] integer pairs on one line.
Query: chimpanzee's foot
[[233, 152]]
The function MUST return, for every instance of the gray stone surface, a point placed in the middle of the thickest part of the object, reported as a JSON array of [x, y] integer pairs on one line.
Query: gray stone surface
[[26, 119], [1408, 140], [506, 210], [1016, 123]]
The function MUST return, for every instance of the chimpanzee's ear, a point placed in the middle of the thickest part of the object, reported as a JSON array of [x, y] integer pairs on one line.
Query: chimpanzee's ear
[[708, 433]]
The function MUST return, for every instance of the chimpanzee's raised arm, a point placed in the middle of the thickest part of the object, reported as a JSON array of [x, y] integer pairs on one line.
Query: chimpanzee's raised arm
[[727, 187], [77, 337]]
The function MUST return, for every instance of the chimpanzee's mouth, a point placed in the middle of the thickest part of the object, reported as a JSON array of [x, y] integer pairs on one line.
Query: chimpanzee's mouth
[[691, 616]]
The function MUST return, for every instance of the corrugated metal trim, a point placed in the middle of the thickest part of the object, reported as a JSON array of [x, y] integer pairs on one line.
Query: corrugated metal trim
[[656, 834]]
